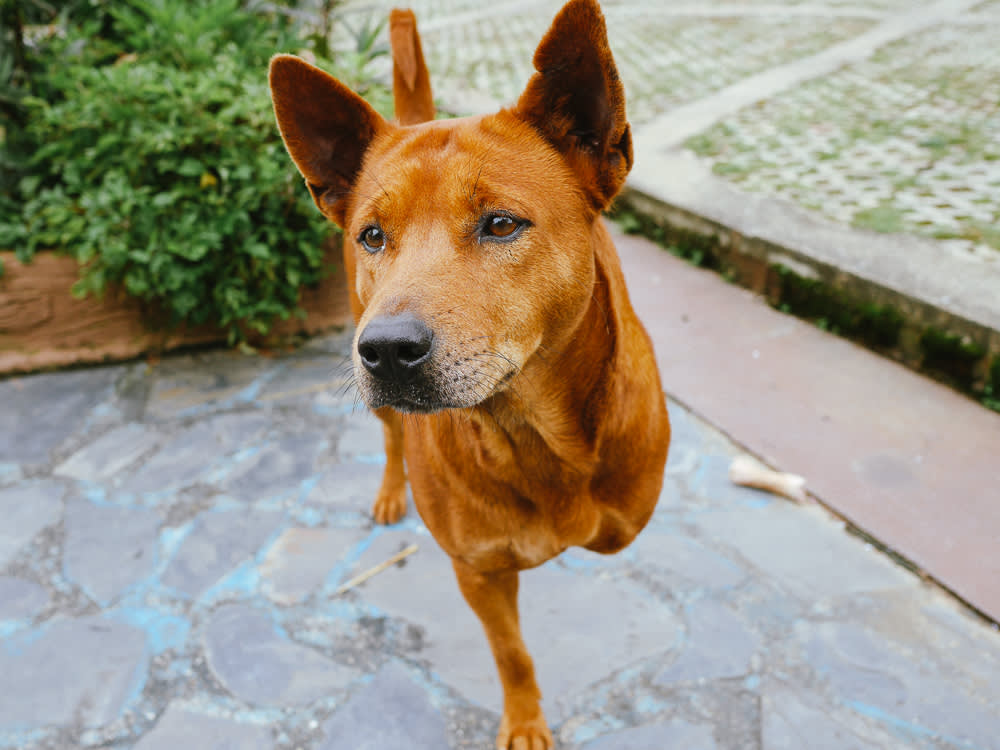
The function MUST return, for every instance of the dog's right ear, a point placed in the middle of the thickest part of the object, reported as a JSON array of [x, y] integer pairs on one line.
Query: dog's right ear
[[577, 101], [411, 83], [327, 129]]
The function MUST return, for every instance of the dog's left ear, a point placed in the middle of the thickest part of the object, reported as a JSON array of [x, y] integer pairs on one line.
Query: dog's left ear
[[327, 129], [577, 100]]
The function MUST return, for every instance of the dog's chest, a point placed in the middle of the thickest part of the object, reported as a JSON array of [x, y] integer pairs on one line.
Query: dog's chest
[[520, 551]]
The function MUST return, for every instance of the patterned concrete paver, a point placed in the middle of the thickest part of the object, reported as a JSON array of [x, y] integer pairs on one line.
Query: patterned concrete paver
[[908, 141], [196, 607], [904, 142]]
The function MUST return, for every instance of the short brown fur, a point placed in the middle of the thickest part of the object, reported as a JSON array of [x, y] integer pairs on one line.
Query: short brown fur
[[535, 419]]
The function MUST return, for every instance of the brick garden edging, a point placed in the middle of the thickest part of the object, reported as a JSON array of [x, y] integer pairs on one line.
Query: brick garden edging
[[42, 326]]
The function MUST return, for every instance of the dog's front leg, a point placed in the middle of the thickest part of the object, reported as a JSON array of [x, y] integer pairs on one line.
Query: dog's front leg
[[493, 597], [390, 503]]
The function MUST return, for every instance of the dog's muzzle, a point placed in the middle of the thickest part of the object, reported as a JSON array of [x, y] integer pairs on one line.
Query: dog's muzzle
[[395, 351]]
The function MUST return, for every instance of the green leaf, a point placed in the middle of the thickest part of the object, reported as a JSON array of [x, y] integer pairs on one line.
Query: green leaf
[[191, 167]]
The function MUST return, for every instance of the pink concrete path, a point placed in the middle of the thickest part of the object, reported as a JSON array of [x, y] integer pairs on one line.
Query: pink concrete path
[[905, 459]]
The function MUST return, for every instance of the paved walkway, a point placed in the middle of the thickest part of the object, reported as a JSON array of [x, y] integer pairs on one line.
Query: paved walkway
[[882, 115], [173, 536]]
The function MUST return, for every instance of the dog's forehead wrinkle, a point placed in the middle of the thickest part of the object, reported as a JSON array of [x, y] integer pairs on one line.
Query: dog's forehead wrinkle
[[465, 155]]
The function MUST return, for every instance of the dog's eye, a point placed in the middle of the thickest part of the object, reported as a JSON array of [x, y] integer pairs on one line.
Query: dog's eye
[[373, 239], [501, 227]]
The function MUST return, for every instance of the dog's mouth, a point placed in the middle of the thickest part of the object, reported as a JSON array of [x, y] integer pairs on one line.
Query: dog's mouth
[[437, 392], [410, 403]]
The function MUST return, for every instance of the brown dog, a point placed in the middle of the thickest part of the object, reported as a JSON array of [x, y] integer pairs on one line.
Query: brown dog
[[491, 311]]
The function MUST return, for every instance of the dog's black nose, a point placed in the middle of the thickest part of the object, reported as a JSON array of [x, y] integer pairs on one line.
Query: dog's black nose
[[393, 347]]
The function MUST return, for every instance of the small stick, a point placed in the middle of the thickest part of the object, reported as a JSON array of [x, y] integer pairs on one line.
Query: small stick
[[362, 577], [747, 472]]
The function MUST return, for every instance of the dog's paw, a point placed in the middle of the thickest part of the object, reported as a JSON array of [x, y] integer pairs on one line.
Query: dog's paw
[[532, 734], [390, 505]]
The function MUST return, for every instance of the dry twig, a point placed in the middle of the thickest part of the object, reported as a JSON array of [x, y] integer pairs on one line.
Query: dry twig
[[374, 571]]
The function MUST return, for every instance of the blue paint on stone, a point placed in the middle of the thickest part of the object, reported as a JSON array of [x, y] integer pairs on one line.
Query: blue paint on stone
[[307, 485], [171, 538], [164, 631], [647, 704], [338, 574], [298, 563], [10, 473], [241, 582], [596, 727], [17, 739], [277, 470], [308, 516], [252, 392], [583, 561], [220, 541], [901, 725]]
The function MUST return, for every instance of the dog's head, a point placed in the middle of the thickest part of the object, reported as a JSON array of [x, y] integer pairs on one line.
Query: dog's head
[[472, 238]]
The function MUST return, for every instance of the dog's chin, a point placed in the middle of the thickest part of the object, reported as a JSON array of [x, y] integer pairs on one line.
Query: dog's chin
[[424, 398], [406, 406]]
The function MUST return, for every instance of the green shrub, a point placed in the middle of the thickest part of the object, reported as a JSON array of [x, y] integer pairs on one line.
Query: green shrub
[[149, 151]]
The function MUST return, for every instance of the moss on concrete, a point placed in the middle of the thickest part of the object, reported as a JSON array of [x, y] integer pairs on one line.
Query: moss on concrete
[[991, 393], [833, 309], [959, 361], [692, 247], [951, 357]]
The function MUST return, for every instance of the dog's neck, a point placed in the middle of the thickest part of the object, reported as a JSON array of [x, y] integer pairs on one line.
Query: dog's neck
[[553, 405]]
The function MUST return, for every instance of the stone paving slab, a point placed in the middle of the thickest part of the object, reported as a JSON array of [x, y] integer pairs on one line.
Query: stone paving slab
[[201, 612]]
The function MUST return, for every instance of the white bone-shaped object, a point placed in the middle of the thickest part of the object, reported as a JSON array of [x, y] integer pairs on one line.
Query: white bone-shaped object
[[748, 472]]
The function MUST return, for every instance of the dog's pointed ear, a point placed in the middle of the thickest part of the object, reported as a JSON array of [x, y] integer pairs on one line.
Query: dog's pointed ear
[[327, 129], [577, 100], [411, 82]]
